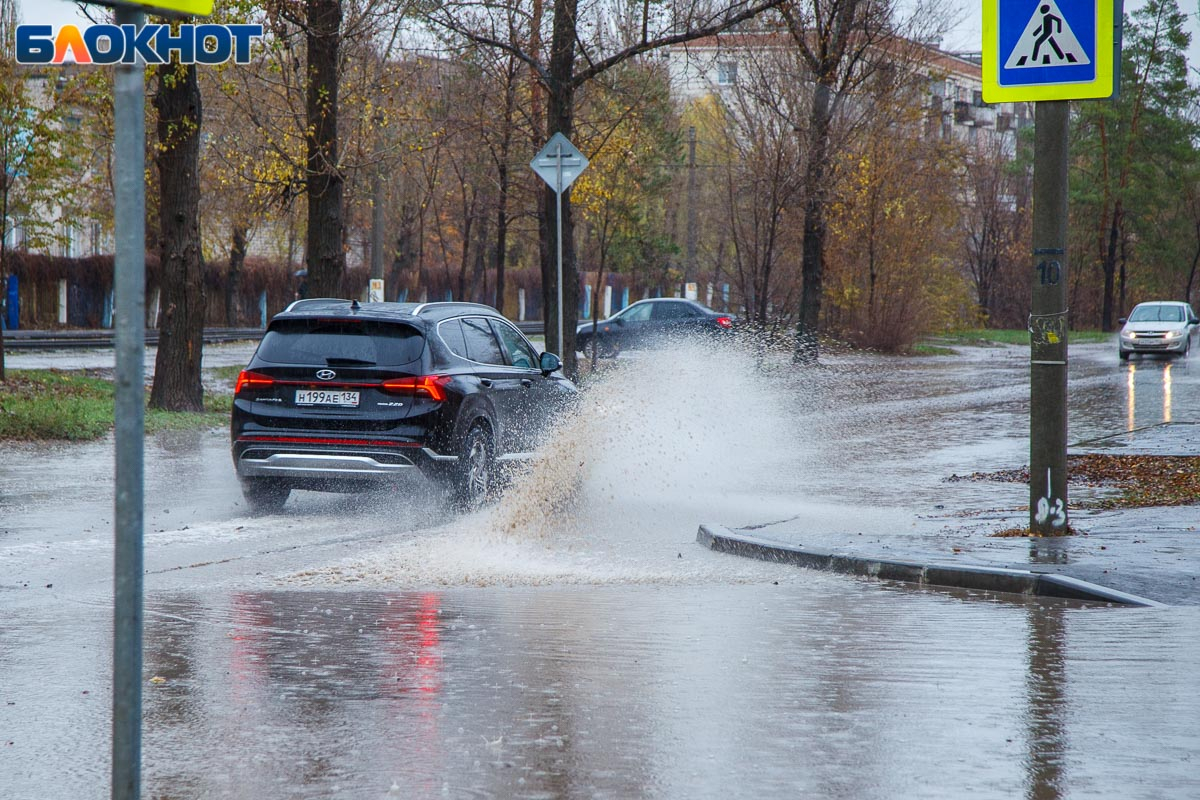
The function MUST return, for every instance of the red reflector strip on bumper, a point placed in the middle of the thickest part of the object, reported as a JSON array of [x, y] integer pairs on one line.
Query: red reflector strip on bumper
[[325, 440]]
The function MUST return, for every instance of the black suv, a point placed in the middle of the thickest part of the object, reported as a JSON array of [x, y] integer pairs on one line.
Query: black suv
[[340, 395]]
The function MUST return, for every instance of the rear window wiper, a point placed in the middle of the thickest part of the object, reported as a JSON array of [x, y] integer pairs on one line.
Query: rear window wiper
[[349, 362]]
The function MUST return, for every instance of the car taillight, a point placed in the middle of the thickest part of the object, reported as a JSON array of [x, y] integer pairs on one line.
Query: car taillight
[[725, 322], [431, 386], [252, 380]]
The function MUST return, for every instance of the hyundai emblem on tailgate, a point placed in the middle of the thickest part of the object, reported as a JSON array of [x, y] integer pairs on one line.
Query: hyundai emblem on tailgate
[[326, 374]]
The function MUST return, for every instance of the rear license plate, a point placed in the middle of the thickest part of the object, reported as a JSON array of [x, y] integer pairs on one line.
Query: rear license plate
[[325, 397]]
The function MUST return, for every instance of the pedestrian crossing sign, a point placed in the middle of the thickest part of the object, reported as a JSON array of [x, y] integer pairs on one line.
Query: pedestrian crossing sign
[[1047, 50]]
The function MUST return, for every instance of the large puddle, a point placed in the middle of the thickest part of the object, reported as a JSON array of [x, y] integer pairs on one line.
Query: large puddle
[[572, 640], [829, 688]]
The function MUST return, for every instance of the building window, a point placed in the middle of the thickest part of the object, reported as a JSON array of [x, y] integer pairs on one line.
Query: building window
[[727, 73]]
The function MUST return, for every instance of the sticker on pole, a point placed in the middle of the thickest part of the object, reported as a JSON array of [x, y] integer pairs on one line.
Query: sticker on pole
[[1047, 50]]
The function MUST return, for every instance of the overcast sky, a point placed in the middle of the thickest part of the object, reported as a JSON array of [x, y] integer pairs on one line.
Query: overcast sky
[[61, 12], [964, 37], [50, 12]]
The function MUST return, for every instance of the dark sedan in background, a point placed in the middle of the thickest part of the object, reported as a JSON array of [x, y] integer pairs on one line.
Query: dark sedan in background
[[647, 322]]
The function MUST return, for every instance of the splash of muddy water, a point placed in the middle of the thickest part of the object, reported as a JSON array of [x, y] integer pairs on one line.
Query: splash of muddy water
[[658, 444]]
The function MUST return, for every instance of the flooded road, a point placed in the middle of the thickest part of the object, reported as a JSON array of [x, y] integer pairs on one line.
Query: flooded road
[[572, 641]]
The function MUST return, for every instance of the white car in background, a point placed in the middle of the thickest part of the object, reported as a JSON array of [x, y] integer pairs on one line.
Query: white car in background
[[1159, 327]]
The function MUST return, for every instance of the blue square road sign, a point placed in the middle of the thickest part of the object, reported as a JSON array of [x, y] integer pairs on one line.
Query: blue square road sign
[[1047, 50]]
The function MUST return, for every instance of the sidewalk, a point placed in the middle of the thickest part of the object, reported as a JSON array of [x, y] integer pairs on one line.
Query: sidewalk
[[1150, 553]]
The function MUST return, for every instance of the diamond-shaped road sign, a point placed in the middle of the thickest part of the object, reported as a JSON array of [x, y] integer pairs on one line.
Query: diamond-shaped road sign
[[559, 163]]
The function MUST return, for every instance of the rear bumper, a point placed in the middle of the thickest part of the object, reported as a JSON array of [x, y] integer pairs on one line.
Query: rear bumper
[[303, 459]]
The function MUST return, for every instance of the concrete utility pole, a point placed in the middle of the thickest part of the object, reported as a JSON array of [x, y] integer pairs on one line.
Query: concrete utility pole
[[130, 343], [1048, 322]]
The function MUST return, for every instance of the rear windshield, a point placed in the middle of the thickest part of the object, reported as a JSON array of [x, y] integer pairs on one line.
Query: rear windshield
[[341, 342], [1157, 314]]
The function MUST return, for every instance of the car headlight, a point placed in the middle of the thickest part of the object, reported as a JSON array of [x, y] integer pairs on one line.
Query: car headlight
[[1128, 335], [1173, 334]]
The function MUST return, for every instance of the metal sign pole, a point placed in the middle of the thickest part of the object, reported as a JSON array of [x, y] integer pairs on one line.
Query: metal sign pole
[[129, 413], [558, 190], [550, 167]]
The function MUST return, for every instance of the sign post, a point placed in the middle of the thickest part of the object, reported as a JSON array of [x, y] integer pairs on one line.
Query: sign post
[[1049, 52], [129, 290], [559, 164]]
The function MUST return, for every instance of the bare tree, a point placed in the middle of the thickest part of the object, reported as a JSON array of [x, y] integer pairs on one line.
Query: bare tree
[[996, 194], [839, 43], [571, 62]]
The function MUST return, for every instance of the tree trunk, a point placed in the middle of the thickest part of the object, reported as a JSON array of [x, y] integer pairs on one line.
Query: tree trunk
[[1187, 292], [465, 259], [324, 257], [1110, 269], [813, 244], [233, 278], [1121, 279], [479, 270], [501, 256], [560, 119], [502, 176], [181, 341]]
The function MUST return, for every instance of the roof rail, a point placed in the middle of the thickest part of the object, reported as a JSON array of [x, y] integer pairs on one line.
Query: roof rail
[[297, 304], [450, 303]]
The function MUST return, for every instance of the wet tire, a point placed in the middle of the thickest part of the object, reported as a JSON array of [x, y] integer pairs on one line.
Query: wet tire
[[475, 476], [1124, 354], [603, 349], [265, 496]]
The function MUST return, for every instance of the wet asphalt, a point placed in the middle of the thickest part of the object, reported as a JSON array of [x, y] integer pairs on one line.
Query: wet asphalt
[[579, 643]]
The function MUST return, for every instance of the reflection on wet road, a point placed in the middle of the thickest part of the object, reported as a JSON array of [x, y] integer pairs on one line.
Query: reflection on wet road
[[573, 642], [826, 688], [1156, 382]]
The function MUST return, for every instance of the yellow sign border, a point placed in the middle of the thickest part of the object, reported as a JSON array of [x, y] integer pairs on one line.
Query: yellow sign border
[[1099, 88], [183, 8]]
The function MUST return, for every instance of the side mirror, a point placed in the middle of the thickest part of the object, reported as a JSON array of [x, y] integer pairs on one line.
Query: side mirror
[[1123, 320], [549, 363]]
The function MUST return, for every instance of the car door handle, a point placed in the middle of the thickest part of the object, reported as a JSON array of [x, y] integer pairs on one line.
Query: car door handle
[[526, 382], [485, 383]]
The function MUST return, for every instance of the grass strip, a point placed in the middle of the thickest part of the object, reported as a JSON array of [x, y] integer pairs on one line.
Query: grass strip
[[75, 406], [988, 336]]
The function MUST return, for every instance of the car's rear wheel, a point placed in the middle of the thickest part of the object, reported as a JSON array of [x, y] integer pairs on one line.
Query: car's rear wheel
[[472, 484], [265, 495]]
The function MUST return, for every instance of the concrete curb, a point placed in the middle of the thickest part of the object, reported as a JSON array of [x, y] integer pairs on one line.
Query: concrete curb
[[988, 579]]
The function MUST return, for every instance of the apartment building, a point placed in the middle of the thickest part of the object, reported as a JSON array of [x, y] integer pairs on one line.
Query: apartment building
[[954, 105]]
